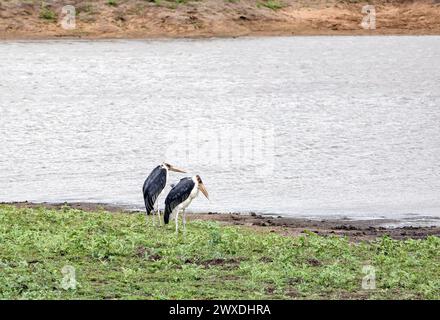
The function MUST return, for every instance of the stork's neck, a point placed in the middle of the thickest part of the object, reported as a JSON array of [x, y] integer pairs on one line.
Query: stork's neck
[[195, 181]]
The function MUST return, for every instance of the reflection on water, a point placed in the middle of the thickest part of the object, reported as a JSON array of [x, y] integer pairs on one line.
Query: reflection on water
[[350, 125]]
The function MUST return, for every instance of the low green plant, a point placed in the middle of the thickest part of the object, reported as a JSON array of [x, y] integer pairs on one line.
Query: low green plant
[[112, 3], [271, 4], [47, 14]]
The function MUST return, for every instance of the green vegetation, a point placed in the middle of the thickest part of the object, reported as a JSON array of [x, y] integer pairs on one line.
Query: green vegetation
[[47, 14], [112, 3], [122, 256], [271, 4]]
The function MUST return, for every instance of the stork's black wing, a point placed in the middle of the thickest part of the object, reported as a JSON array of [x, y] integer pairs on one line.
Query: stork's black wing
[[153, 186], [177, 195]]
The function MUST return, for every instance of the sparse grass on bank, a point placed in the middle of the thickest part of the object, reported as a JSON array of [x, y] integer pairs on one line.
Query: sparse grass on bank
[[112, 3], [108, 19], [119, 256], [48, 14], [271, 4]]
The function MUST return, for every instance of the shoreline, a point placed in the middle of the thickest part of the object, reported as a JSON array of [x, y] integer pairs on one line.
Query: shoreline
[[146, 37], [207, 38], [355, 230]]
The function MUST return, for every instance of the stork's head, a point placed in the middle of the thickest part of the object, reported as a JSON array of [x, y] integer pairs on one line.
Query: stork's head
[[201, 187], [172, 168]]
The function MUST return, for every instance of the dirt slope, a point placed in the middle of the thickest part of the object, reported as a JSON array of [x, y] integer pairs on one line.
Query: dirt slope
[[29, 19]]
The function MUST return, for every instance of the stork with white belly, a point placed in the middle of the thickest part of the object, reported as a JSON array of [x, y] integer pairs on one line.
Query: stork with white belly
[[154, 185], [181, 196]]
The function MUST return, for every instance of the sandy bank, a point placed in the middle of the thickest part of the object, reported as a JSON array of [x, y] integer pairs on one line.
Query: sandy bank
[[214, 18]]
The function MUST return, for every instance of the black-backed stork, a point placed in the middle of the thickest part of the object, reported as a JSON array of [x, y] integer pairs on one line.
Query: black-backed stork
[[181, 196], [154, 186]]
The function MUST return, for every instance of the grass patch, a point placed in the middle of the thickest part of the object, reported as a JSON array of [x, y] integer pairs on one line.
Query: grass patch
[[112, 3], [48, 14], [271, 4], [123, 256]]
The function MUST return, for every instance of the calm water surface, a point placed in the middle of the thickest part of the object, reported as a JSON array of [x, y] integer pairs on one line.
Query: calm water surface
[[353, 123]]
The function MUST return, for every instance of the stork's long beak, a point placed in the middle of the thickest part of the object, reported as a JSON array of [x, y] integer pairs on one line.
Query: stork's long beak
[[203, 189], [172, 168]]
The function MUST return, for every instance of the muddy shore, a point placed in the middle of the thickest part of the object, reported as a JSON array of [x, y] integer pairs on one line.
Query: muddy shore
[[140, 19], [355, 230]]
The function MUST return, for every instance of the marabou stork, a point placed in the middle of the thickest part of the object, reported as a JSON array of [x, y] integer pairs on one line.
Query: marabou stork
[[154, 186], [181, 196]]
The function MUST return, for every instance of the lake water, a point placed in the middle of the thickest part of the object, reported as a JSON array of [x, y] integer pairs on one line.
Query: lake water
[[345, 126]]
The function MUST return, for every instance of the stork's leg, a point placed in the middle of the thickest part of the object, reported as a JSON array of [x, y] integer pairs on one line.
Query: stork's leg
[[177, 221], [160, 218], [153, 216], [184, 221], [158, 213], [147, 218], [153, 213]]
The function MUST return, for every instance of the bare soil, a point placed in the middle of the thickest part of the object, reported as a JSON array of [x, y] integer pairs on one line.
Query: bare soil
[[355, 230], [101, 19]]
